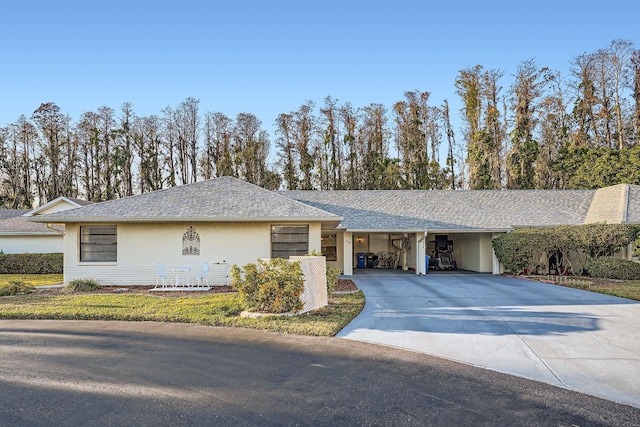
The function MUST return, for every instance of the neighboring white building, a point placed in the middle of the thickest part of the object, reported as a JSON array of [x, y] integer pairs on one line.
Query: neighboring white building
[[18, 235], [228, 220]]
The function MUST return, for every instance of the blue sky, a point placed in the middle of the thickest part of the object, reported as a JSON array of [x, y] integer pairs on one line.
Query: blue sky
[[269, 57]]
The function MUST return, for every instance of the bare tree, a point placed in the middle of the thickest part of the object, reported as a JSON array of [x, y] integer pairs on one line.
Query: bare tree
[[147, 141], [349, 119], [124, 146], [375, 137], [620, 53], [469, 88], [288, 155], [526, 93], [170, 140], [635, 87], [187, 129], [586, 132], [553, 134], [16, 143], [451, 142], [54, 127], [304, 132], [332, 147], [223, 132]]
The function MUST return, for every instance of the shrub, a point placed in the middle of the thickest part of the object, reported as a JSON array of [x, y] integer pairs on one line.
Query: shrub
[[270, 286], [614, 268], [31, 263], [515, 251], [81, 285], [15, 287], [332, 279], [524, 248]]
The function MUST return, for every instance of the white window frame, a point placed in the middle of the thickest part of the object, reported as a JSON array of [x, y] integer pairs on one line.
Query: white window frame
[[101, 243], [281, 245]]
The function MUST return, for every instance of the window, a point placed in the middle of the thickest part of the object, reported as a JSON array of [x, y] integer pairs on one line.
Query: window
[[329, 248], [98, 243], [288, 240]]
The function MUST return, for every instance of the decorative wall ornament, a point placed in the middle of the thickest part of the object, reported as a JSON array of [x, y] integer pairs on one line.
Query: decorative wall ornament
[[190, 242]]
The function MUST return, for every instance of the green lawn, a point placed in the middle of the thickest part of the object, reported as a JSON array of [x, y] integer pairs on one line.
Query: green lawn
[[208, 309], [216, 309], [626, 289], [31, 279]]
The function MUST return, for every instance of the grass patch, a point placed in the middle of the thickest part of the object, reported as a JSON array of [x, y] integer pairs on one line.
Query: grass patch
[[212, 309], [31, 279], [81, 285], [15, 287], [629, 289]]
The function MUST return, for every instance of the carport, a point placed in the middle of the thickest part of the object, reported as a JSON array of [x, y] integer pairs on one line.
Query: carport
[[387, 250], [358, 250], [473, 251]]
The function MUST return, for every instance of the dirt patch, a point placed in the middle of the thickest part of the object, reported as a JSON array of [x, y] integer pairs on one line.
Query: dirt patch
[[345, 285]]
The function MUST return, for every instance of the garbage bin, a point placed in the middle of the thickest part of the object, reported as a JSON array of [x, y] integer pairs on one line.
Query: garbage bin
[[362, 260], [426, 261], [371, 260]]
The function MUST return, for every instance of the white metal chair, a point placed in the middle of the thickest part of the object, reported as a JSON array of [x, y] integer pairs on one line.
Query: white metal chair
[[201, 279], [161, 274]]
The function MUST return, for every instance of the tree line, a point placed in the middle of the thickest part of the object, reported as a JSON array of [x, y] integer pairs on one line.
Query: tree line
[[545, 130]]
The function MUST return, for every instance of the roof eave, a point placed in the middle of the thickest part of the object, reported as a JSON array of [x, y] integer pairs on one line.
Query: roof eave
[[63, 220], [31, 233], [431, 230]]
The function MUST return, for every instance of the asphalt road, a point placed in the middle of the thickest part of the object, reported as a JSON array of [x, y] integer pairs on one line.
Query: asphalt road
[[67, 373]]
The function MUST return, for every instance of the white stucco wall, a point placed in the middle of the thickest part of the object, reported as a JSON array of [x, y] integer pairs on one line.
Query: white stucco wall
[[339, 262], [347, 253], [31, 244], [141, 246], [473, 251], [59, 206]]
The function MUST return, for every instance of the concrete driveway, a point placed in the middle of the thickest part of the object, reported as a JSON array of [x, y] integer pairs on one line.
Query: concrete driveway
[[573, 339]]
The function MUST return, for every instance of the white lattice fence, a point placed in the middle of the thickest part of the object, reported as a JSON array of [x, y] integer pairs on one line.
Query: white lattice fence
[[219, 274], [315, 293]]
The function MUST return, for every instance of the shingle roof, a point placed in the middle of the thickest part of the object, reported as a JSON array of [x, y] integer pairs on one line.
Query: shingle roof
[[221, 199], [20, 225], [414, 210], [80, 202], [10, 213]]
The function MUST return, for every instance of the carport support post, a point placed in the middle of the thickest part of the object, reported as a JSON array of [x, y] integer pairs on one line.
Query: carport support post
[[421, 251], [405, 267], [347, 253]]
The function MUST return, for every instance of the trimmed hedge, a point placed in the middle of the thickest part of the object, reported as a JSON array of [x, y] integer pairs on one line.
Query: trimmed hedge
[[31, 263], [614, 268], [270, 286], [523, 248]]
